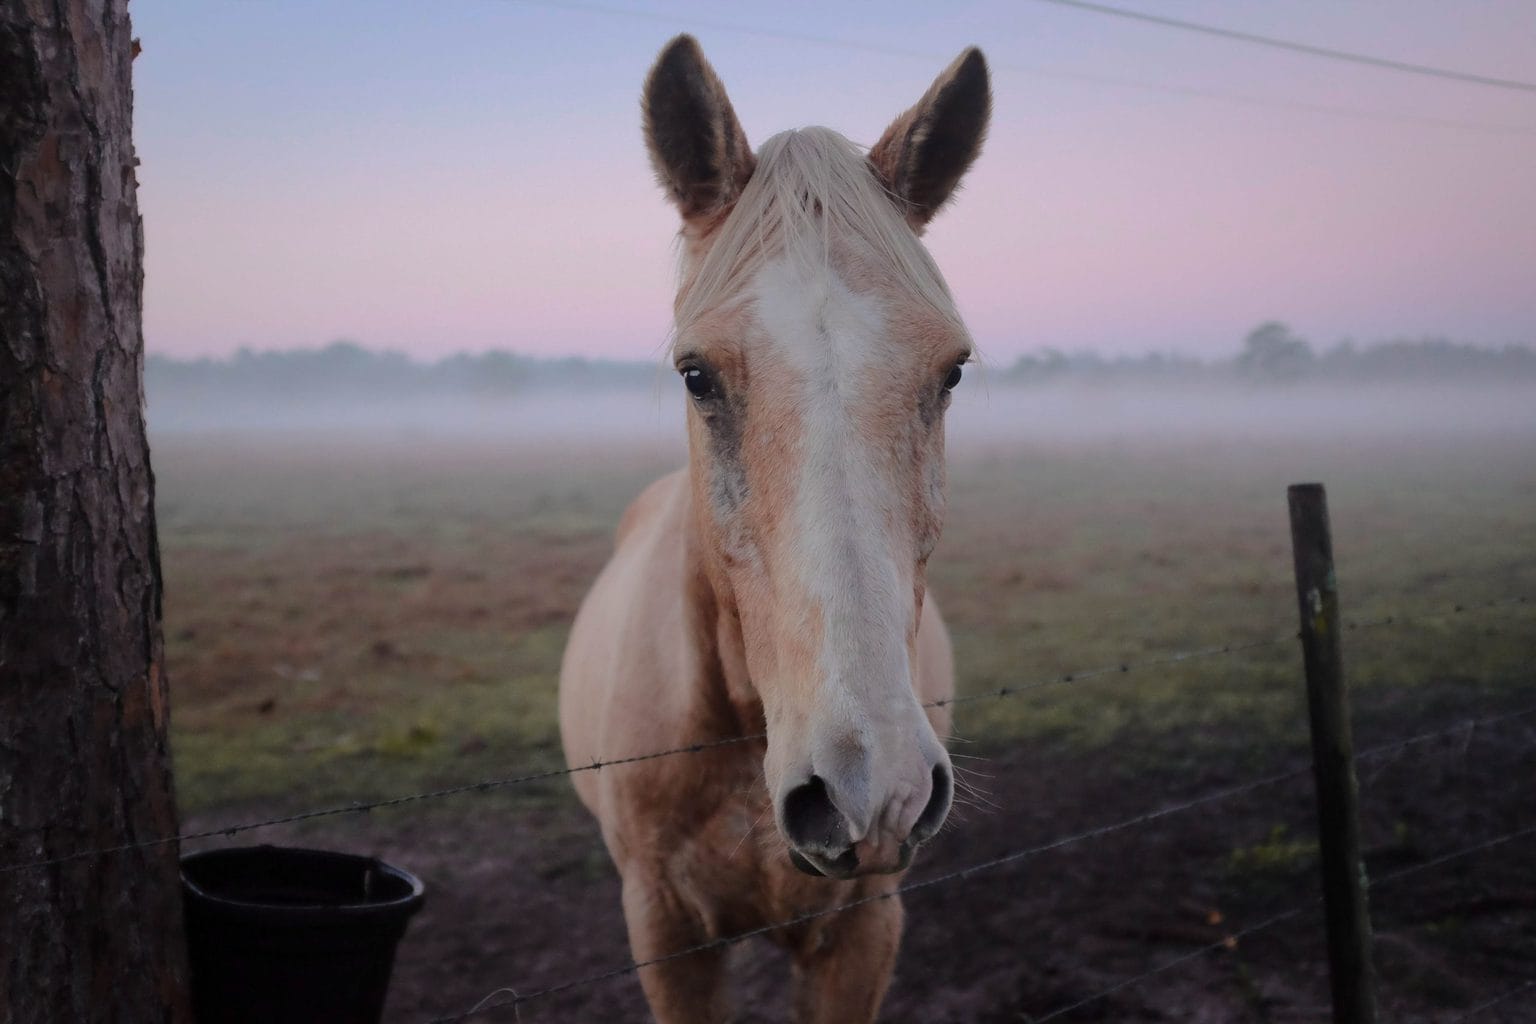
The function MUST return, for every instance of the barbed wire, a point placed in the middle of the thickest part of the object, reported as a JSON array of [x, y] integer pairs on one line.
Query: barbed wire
[[1227, 941], [1230, 940], [1397, 876], [1427, 577], [927, 883], [1415, 618], [1118, 668], [517, 999], [502, 782], [362, 806], [1125, 667], [1362, 589], [1465, 725], [1529, 986]]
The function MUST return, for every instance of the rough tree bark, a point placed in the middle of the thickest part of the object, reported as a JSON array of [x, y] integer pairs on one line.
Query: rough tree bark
[[83, 756]]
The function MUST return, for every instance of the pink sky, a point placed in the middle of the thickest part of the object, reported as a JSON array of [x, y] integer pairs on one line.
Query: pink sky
[[440, 177]]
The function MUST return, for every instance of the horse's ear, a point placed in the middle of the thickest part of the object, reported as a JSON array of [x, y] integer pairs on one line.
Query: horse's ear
[[925, 152], [697, 146]]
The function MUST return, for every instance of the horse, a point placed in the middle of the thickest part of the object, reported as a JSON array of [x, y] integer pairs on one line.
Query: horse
[[774, 589]]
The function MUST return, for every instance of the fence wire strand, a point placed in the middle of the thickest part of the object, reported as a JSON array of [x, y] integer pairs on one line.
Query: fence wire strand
[[1230, 940], [1284, 915], [1397, 876], [1458, 608], [493, 1001], [1225, 942], [1529, 986], [501, 782], [362, 807], [927, 883], [488, 1003], [1119, 668]]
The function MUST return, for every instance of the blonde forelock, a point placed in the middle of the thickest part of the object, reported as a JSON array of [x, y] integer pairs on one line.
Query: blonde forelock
[[811, 185]]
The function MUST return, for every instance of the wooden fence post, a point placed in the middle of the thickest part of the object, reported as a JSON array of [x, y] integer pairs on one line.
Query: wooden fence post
[[1333, 760]]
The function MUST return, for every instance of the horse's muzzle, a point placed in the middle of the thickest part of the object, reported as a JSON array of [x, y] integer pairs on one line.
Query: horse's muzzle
[[819, 836]]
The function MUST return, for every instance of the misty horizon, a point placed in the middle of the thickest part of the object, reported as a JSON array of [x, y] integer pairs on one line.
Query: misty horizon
[[1275, 386], [1108, 354]]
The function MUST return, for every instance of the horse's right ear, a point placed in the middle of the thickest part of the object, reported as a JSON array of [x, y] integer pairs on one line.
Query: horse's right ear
[[697, 146]]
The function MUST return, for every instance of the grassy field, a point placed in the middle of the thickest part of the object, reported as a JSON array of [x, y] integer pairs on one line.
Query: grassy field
[[355, 618]]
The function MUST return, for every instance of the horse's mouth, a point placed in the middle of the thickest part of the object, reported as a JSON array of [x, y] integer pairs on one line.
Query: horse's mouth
[[846, 864]]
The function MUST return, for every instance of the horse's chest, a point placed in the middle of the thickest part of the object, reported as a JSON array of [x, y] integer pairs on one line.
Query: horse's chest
[[733, 865]]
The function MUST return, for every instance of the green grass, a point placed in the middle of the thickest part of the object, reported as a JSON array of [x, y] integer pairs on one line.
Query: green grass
[[348, 621], [1278, 854], [485, 708], [1061, 562]]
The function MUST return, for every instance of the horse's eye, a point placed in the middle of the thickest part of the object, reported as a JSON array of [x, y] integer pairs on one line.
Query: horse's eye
[[698, 381], [953, 380]]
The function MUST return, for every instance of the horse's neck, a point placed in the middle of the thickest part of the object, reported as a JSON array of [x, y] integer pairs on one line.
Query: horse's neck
[[727, 698]]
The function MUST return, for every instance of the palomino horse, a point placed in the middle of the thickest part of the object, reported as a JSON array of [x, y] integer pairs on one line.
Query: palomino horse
[[777, 585]]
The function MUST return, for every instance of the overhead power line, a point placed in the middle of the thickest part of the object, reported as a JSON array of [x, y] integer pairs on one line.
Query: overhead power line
[[1295, 47], [1219, 96]]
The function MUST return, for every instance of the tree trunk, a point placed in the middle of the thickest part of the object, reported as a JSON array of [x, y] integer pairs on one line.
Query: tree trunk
[[84, 761]]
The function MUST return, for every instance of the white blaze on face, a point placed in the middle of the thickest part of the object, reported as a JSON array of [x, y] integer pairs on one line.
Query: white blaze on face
[[837, 542]]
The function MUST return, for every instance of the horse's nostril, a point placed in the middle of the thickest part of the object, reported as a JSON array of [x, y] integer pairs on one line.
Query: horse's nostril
[[938, 805], [812, 821]]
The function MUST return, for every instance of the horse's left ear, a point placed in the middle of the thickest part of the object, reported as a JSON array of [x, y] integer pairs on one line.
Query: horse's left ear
[[925, 152]]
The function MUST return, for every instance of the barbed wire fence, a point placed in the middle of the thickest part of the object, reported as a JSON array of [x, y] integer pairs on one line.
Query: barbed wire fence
[[508, 998], [1498, 1000], [505, 998], [1231, 939], [488, 784]]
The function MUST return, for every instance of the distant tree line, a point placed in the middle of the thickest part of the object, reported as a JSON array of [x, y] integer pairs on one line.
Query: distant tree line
[[1273, 354], [345, 371]]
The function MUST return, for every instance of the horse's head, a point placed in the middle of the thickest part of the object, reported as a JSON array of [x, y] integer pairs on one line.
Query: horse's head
[[819, 346]]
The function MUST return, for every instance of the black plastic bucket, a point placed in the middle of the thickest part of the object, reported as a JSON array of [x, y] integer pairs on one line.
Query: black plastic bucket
[[293, 936]]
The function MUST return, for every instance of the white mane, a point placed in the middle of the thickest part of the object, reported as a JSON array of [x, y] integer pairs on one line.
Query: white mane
[[809, 184]]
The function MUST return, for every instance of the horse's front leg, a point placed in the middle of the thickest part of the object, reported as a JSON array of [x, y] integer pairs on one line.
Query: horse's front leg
[[689, 989], [843, 969]]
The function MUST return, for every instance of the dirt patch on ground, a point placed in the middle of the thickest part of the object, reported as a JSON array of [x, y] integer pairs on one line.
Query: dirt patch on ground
[[528, 901]]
